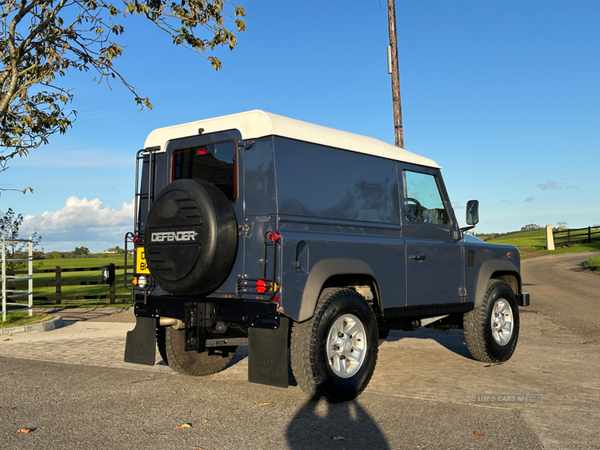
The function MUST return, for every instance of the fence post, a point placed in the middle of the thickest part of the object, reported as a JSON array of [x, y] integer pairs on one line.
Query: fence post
[[112, 293], [589, 234], [58, 290], [549, 238]]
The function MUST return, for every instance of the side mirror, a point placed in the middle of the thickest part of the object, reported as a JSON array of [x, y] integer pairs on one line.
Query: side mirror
[[472, 212]]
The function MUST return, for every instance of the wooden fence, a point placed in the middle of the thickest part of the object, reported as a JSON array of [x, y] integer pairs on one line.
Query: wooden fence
[[576, 235], [58, 283]]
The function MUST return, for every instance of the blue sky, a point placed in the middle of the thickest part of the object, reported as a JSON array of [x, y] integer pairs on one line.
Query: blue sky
[[504, 95]]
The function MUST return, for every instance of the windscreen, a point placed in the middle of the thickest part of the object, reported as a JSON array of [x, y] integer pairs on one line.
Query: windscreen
[[214, 163]]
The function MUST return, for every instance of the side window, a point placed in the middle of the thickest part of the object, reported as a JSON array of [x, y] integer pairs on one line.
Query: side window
[[214, 163], [422, 199]]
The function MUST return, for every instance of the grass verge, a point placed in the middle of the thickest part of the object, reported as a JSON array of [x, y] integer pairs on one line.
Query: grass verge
[[20, 319], [593, 264]]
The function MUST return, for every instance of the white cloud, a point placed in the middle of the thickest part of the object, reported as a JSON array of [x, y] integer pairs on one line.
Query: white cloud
[[81, 222], [555, 185], [79, 213]]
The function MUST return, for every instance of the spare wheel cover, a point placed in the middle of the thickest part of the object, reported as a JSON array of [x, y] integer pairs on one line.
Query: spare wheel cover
[[190, 238]]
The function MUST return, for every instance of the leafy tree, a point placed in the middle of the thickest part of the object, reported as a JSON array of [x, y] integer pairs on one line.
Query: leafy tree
[[40, 41], [531, 226], [81, 251]]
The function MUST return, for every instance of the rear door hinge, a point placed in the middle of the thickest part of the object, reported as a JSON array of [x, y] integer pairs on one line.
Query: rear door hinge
[[244, 229], [462, 292], [246, 145]]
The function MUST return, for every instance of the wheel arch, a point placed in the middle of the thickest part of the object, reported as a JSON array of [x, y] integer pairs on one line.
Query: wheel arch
[[337, 272], [506, 271]]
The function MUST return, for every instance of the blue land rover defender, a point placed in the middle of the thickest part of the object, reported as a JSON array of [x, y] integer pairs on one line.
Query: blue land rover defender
[[305, 242]]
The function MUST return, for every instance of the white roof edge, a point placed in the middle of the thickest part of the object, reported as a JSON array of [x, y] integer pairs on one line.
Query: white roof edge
[[256, 124]]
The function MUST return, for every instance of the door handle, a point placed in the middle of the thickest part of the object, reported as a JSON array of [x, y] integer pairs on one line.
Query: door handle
[[418, 257]]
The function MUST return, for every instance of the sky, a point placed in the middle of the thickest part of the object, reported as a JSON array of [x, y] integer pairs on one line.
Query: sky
[[503, 94]]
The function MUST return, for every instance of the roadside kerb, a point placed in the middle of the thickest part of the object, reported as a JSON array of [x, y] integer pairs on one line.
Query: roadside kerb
[[48, 325]]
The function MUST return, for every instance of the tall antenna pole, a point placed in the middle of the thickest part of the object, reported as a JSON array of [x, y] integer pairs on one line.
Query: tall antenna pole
[[393, 56]]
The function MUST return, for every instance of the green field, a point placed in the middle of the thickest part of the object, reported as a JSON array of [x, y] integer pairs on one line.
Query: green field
[[80, 277], [533, 243]]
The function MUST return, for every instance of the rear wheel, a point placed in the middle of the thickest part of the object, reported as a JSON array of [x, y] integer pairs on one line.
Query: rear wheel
[[334, 353], [492, 329], [193, 363]]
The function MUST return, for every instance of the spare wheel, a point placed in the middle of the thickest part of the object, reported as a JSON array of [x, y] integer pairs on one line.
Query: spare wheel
[[190, 238]]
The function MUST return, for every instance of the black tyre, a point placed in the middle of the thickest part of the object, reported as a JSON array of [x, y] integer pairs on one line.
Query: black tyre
[[492, 329], [334, 353], [192, 363], [190, 238], [161, 342]]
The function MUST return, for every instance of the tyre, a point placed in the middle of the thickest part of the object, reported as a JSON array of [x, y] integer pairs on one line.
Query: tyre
[[161, 342], [193, 363], [334, 353], [492, 329], [190, 238]]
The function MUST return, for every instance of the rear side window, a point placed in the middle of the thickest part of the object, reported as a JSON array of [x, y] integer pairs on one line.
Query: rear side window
[[214, 163], [423, 200]]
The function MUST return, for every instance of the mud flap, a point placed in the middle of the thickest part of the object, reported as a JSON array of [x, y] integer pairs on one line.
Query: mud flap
[[140, 346], [268, 355]]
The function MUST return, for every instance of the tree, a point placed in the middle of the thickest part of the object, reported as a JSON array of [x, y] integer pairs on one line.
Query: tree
[[10, 223], [40, 41], [81, 251], [9, 228], [531, 226]]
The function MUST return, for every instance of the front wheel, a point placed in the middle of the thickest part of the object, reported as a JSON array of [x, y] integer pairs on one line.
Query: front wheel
[[492, 329], [193, 363], [334, 353]]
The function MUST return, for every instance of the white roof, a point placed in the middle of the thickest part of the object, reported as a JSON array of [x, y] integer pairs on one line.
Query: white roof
[[256, 124]]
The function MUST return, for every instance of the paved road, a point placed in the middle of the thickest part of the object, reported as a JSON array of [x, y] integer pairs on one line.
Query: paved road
[[72, 388], [565, 292]]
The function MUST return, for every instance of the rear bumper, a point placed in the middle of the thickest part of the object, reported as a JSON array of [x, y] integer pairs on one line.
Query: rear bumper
[[243, 312]]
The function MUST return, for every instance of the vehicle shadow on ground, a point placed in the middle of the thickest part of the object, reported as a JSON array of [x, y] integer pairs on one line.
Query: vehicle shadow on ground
[[123, 315], [453, 340], [319, 424]]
